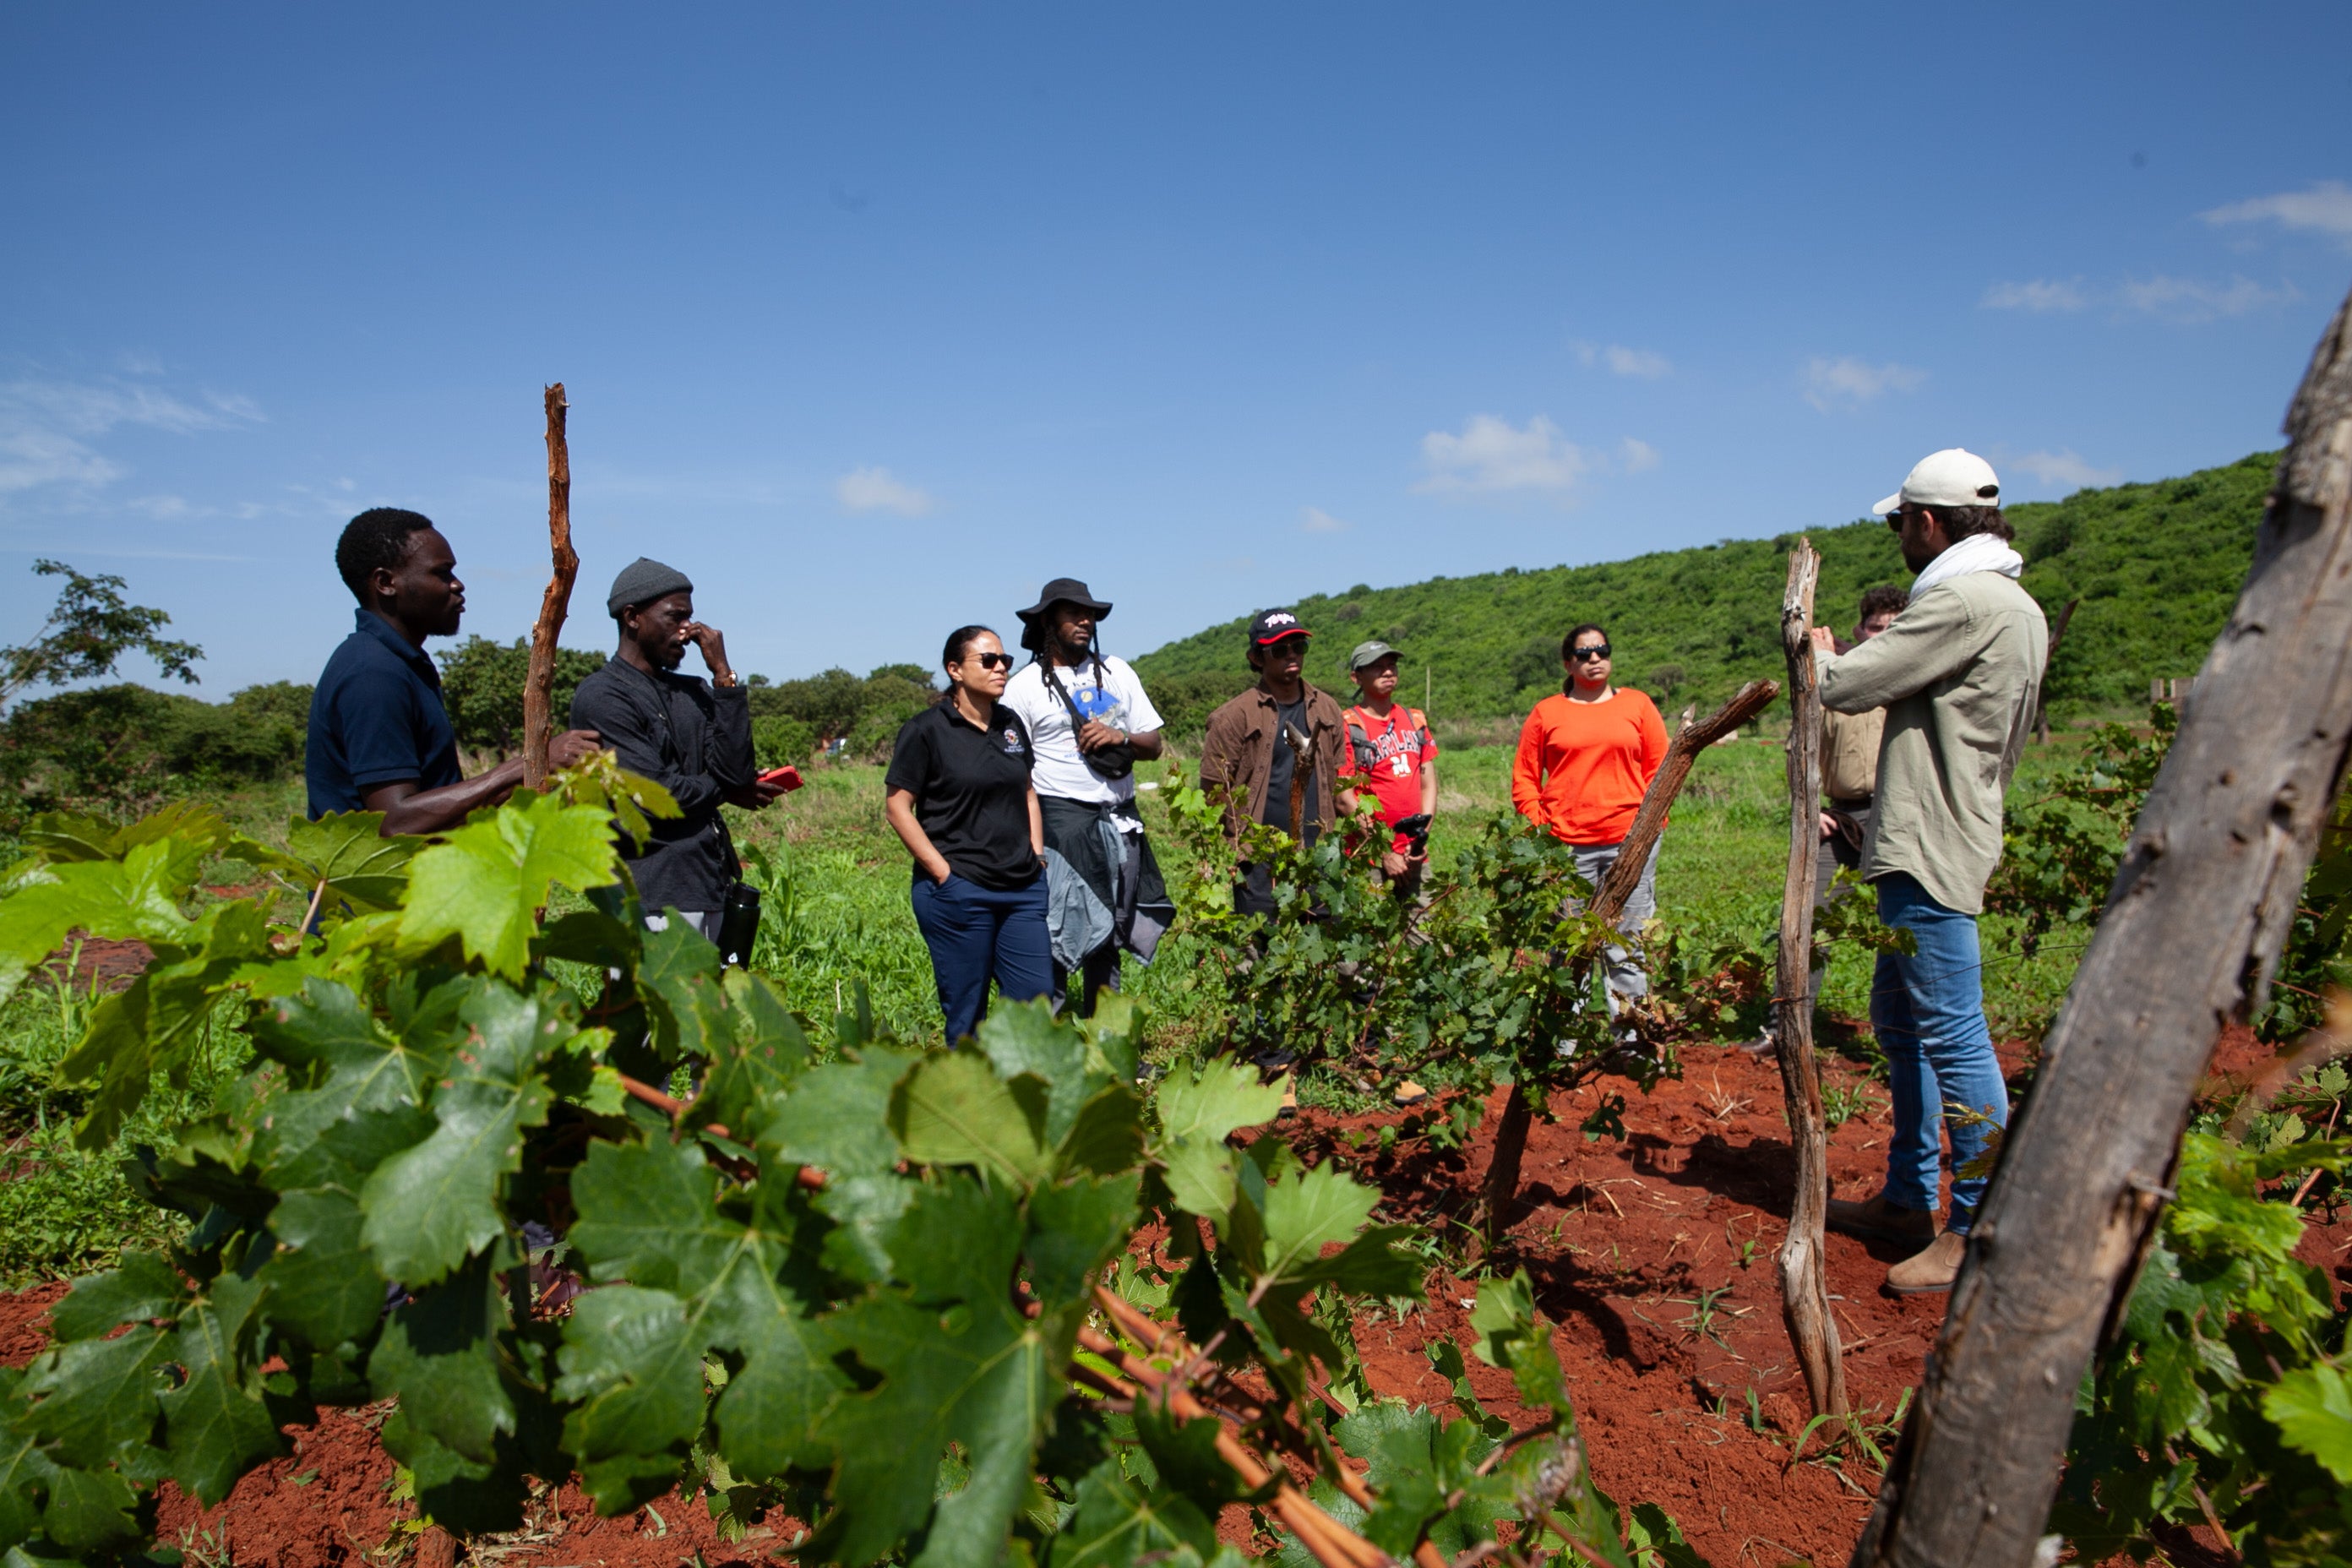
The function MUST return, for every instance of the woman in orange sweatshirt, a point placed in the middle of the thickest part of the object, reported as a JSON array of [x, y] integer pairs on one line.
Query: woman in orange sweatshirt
[[1586, 758]]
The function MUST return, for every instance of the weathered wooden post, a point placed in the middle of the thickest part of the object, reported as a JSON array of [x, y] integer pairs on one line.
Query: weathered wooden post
[[2201, 907], [1501, 1187], [2048, 661], [1804, 1282], [539, 683]]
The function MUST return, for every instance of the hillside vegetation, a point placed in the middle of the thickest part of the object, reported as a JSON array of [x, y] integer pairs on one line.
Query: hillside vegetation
[[2156, 566]]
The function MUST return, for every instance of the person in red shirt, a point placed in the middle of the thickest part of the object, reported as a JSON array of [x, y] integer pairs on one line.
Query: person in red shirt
[[1390, 749], [1586, 758]]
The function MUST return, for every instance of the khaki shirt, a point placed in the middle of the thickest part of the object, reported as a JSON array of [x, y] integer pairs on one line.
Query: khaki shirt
[[1956, 674], [1850, 753]]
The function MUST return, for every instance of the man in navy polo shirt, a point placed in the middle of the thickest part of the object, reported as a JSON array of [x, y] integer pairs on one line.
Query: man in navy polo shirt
[[380, 738]]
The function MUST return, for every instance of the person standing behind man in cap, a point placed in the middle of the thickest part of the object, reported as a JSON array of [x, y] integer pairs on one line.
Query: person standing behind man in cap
[[692, 737], [1390, 749], [1586, 757], [1956, 674], [1089, 722], [380, 738]]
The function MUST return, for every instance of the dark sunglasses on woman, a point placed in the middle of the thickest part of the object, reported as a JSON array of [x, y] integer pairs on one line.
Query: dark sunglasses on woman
[[1594, 650], [992, 660]]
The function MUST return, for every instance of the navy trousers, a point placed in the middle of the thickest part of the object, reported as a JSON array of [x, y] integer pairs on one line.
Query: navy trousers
[[974, 933]]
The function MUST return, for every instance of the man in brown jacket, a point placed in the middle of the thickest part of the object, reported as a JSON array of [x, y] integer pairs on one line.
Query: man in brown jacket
[[1274, 751]]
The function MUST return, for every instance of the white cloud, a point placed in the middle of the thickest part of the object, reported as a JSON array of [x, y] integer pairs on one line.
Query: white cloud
[[2324, 208], [1643, 364], [1639, 456], [2039, 294], [874, 489], [1317, 521], [2064, 468], [1846, 381], [1492, 456], [48, 427], [2190, 300]]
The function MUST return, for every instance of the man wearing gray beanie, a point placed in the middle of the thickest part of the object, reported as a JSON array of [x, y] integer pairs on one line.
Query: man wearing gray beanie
[[691, 736]]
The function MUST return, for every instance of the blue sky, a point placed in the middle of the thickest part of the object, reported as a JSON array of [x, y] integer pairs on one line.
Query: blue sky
[[872, 318]]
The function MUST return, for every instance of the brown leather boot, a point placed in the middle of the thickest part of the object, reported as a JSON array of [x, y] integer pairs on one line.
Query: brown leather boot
[[1929, 1271], [1875, 1219], [1408, 1093]]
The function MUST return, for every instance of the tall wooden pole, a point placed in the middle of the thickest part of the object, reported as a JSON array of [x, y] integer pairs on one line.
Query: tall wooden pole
[[1804, 1283], [2201, 907], [539, 685], [1501, 1187]]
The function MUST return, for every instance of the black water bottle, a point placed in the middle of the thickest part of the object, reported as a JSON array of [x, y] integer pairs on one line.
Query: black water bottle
[[739, 925]]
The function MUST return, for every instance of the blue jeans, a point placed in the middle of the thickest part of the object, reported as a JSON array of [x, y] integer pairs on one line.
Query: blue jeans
[[973, 931], [1928, 1009]]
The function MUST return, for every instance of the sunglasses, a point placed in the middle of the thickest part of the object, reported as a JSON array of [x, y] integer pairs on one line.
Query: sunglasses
[[992, 660], [1593, 651]]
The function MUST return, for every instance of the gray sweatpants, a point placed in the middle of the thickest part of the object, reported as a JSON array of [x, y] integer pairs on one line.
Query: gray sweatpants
[[1592, 862]]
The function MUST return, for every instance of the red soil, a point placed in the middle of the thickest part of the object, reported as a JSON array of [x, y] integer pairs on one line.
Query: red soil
[[1620, 1239]]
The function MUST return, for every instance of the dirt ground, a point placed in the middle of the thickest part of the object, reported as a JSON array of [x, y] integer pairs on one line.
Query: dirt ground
[[1652, 1256]]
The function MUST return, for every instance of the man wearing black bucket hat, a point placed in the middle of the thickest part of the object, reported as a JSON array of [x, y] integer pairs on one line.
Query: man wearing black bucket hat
[[1089, 722], [692, 737]]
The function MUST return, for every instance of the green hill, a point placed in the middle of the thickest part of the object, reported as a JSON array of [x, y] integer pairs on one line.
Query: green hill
[[2156, 567]]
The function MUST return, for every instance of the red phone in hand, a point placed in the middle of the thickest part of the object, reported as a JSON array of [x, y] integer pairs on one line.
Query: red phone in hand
[[788, 775]]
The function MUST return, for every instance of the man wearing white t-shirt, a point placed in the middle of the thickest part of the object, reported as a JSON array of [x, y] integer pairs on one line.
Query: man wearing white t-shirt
[[1089, 721]]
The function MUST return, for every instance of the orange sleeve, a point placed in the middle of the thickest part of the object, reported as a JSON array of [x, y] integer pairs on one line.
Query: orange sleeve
[[1527, 770], [1653, 742]]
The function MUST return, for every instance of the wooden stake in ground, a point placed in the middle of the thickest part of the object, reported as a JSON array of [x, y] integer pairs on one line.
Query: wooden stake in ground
[[1502, 1183], [539, 685], [1804, 1285], [2192, 933]]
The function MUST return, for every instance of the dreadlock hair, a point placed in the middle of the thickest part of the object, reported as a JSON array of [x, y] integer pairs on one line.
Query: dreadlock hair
[[377, 537], [1038, 641]]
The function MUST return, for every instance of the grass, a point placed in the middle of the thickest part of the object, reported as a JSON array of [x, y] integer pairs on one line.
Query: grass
[[837, 917]]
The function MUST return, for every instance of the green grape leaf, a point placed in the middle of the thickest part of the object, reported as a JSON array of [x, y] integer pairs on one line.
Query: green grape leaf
[[216, 1426], [429, 1208], [2311, 1406], [679, 978], [1118, 1525], [348, 851], [324, 1287], [752, 1060], [836, 1116], [486, 882], [1025, 1037], [958, 1363], [1105, 1137], [361, 1096], [953, 1109], [1200, 1177], [1075, 1228], [137, 896], [1302, 1215], [439, 1357], [142, 1285], [1206, 1101], [635, 1371], [85, 1509], [95, 1399], [1184, 1453]]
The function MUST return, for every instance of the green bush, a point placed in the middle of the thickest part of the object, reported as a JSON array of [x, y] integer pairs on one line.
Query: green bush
[[482, 682], [777, 740]]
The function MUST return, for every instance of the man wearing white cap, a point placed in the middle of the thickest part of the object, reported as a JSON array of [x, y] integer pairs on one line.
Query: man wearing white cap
[[1956, 673]]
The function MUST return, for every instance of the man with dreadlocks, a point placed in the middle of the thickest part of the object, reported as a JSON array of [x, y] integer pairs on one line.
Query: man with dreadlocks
[[1089, 721]]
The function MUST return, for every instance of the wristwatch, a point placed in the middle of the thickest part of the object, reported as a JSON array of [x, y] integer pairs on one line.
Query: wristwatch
[[727, 681]]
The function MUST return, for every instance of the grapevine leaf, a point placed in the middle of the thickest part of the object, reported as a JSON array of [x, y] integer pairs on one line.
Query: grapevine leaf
[[1185, 1454], [953, 1109], [96, 1398], [1107, 1135], [217, 1424], [2312, 1407], [751, 1060], [1371, 1265], [324, 1287], [635, 1371], [1201, 1178], [87, 1508], [958, 1363], [679, 978], [429, 1208], [1025, 1037], [24, 1471], [837, 1116], [1314, 1207], [363, 1095], [486, 882], [1118, 1525], [137, 896], [144, 1285], [1075, 1228], [347, 850], [1207, 1101], [439, 1357]]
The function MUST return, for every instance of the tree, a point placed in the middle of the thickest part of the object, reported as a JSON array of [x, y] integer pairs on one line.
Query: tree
[[87, 635]]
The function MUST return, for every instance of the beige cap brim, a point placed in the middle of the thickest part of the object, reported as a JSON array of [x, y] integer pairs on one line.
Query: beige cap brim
[[1890, 504]]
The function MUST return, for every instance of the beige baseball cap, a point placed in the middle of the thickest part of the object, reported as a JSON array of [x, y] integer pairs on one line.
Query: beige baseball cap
[[1953, 476]]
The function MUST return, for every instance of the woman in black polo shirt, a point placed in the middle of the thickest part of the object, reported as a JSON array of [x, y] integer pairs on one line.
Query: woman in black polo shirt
[[957, 792]]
